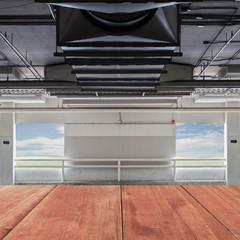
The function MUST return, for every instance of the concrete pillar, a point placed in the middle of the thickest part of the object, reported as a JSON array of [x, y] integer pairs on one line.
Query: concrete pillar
[[7, 148], [233, 148]]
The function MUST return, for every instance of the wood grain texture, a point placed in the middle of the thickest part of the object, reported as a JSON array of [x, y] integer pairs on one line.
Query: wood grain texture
[[222, 202], [74, 212], [167, 212], [16, 202], [235, 190]]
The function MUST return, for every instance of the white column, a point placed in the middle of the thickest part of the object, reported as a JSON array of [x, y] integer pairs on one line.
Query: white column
[[233, 149], [7, 146]]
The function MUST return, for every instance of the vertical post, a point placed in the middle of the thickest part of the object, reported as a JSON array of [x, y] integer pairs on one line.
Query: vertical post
[[62, 180], [175, 178], [119, 171], [225, 144]]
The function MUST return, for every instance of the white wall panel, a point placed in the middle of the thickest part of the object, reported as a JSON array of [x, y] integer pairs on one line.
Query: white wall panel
[[37, 175], [204, 174], [120, 141], [119, 130], [200, 117]]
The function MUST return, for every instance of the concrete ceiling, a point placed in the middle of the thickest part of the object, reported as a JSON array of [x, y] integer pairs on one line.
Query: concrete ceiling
[[37, 42]]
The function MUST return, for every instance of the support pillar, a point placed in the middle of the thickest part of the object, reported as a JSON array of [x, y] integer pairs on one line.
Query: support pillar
[[7, 132], [233, 148]]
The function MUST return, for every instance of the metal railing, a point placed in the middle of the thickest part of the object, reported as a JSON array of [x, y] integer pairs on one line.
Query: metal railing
[[121, 164]]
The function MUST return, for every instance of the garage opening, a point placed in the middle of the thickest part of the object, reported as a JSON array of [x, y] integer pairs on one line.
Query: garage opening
[[39, 150], [200, 151]]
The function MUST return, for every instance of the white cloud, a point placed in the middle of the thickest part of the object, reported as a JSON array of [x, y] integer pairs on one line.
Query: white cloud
[[40, 146], [208, 144], [60, 129], [180, 124]]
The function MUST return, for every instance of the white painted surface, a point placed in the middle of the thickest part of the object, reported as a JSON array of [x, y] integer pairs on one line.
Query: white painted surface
[[108, 130], [37, 175], [6, 150], [233, 149], [103, 141], [206, 174]]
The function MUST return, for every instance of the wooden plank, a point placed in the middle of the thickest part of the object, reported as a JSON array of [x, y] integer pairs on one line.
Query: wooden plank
[[234, 190], [221, 202], [167, 212], [74, 212], [16, 202]]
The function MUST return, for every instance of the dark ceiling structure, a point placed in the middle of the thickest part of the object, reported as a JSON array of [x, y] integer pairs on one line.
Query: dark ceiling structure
[[120, 47]]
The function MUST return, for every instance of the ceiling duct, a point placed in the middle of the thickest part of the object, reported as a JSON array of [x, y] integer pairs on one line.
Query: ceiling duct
[[120, 47]]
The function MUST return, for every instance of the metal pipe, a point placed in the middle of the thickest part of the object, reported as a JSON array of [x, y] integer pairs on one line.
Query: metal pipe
[[114, 109], [218, 53], [21, 57], [221, 30]]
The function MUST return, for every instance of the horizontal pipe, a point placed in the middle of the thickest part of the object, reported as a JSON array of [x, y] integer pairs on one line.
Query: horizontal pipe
[[118, 159], [27, 23], [26, 17], [208, 16], [210, 23], [114, 109]]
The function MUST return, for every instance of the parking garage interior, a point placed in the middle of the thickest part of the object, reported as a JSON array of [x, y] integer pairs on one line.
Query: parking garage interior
[[119, 119]]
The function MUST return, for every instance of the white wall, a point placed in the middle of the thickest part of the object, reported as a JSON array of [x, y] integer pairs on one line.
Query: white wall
[[136, 134], [120, 141]]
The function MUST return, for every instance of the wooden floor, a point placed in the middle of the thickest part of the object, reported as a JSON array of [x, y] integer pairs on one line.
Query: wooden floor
[[119, 212]]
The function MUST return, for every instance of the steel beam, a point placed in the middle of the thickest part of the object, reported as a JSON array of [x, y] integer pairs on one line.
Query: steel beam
[[177, 85], [27, 20], [210, 23]]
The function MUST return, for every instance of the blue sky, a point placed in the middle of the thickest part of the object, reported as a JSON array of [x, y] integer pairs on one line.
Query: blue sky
[[201, 140], [40, 140]]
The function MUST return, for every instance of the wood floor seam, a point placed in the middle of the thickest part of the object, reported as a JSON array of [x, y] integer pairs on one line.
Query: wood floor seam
[[210, 213], [29, 212]]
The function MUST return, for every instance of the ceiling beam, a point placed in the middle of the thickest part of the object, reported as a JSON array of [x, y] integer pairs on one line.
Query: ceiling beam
[[27, 20], [171, 85]]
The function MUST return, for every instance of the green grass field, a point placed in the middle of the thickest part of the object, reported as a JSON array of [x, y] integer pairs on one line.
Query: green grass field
[[200, 163], [39, 163]]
